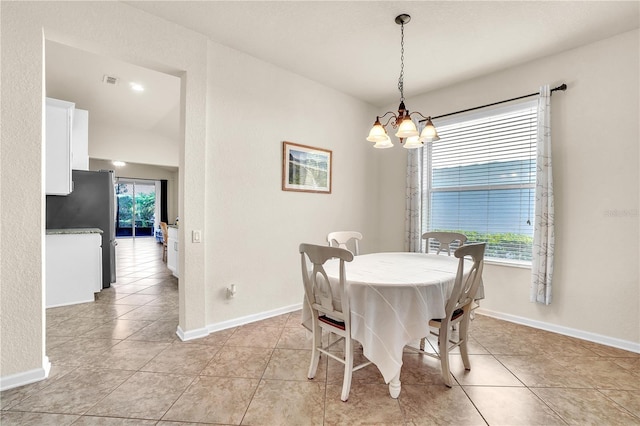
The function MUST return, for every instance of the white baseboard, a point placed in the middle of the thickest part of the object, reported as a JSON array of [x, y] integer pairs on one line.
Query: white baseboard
[[236, 322], [567, 331], [191, 334], [20, 379], [253, 318]]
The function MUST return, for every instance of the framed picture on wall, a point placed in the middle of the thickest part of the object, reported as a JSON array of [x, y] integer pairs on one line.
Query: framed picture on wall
[[305, 168]]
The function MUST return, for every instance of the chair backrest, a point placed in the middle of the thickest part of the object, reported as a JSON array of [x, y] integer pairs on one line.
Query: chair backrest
[[342, 239], [318, 293], [467, 280], [165, 232], [444, 240]]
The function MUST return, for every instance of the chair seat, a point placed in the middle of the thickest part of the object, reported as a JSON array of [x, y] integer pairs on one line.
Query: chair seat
[[327, 320], [455, 315]]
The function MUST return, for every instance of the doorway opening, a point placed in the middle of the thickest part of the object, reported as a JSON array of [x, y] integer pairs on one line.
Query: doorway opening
[[143, 130]]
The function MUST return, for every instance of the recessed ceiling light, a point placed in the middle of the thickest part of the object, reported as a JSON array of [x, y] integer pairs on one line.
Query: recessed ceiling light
[[119, 163], [137, 87]]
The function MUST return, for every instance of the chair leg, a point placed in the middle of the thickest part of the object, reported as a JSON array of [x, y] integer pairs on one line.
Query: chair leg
[[422, 343], [474, 305], [348, 368], [315, 353], [464, 338], [443, 348]]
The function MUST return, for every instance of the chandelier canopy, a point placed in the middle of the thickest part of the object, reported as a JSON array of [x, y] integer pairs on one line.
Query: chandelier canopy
[[402, 120]]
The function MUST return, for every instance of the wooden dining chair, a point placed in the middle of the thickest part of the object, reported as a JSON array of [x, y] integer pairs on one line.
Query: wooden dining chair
[[458, 309], [326, 313], [344, 239], [444, 240]]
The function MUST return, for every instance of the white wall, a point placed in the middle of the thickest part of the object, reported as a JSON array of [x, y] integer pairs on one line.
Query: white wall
[[131, 145], [595, 139], [22, 200], [255, 228]]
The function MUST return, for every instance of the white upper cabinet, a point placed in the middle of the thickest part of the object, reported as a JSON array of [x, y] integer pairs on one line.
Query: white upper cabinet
[[66, 145], [58, 145]]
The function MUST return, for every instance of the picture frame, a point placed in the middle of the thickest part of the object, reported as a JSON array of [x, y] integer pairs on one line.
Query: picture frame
[[306, 168]]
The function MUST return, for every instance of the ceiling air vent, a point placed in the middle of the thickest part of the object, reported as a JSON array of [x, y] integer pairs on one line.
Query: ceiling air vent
[[107, 79]]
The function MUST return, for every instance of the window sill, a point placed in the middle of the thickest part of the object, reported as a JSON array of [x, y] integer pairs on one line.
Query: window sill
[[509, 263]]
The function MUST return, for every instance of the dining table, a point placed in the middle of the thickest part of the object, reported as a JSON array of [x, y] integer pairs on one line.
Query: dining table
[[392, 297]]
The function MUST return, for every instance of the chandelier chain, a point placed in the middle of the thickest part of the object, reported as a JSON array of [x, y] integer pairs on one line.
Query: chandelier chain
[[401, 78]]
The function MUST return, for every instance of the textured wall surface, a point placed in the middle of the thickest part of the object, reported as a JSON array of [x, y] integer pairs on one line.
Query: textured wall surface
[[255, 227], [21, 212], [132, 145]]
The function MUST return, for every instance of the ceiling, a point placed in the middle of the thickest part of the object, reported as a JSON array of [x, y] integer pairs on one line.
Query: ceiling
[[78, 76], [354, 46], [351, 46]]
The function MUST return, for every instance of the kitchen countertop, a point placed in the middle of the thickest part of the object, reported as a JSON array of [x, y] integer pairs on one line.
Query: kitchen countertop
[[64, 231]]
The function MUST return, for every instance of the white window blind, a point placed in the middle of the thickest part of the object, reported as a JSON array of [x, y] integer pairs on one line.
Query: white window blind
[[480, 179]]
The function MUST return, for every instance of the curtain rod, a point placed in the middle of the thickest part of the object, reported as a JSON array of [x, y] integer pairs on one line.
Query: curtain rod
[[562, 87]]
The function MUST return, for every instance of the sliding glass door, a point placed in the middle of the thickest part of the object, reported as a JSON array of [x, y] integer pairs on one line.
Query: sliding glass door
[[136, 208]]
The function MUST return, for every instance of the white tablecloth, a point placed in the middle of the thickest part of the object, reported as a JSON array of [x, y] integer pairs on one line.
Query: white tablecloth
[[392, 297]]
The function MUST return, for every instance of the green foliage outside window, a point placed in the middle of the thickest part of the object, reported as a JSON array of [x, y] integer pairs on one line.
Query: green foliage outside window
[[145, 209], [498, 244]]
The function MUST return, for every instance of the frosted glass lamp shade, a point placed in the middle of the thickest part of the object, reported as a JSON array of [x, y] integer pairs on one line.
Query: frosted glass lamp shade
[[429, 133], [377, 133], [407, 129], [413, 142], [384, 144]]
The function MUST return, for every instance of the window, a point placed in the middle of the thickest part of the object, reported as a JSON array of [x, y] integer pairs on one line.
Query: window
[[136, 207], [480, 179]]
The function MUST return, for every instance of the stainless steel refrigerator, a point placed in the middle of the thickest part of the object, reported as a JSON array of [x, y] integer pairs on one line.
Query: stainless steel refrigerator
[[91, 204]]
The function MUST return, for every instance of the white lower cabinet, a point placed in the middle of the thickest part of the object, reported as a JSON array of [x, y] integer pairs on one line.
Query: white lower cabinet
[[73, 266], [172, 250]]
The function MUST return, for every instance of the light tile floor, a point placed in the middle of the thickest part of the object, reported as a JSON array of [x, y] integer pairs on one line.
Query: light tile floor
[[118, 361]]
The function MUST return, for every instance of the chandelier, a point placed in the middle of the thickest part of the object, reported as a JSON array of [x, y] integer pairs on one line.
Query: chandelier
[[402, 120]]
